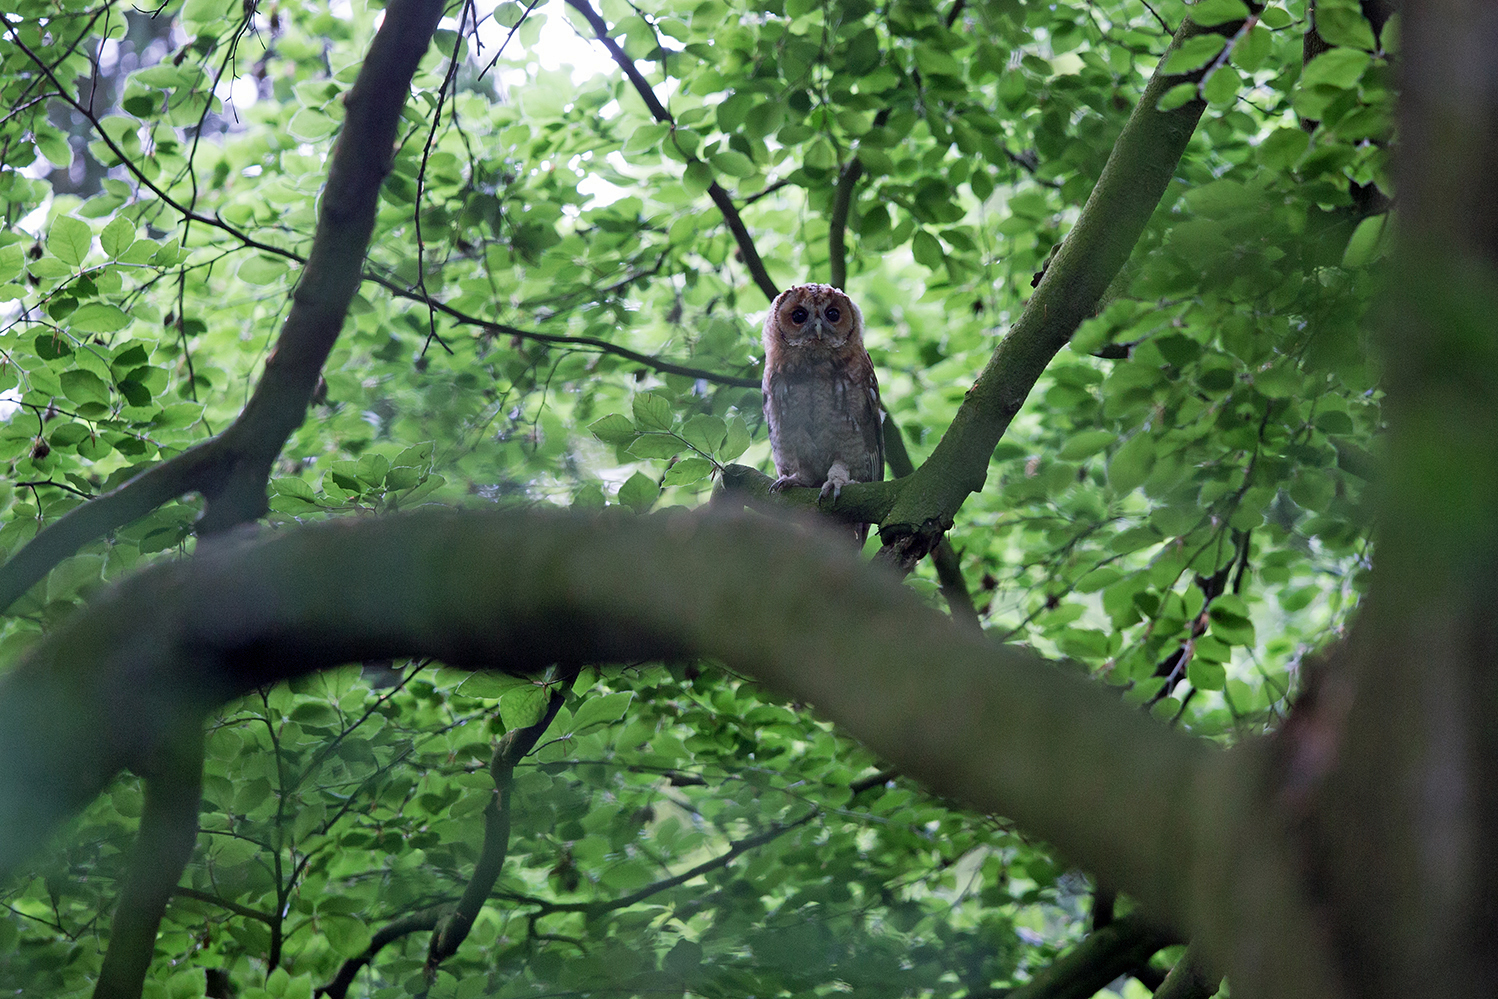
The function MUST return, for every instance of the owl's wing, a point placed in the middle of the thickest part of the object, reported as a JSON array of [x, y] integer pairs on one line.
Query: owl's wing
[[869, 418]]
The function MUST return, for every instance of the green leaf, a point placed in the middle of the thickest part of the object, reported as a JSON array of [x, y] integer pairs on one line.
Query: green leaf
[[68, 434], [1275, 18], [1230, 622], [613, 429], [1085, 444], [1368, 242], [1253, 49], [1131, 463], [688, 470], [656, 446], [12, 261], [347, 935], [1344, 26], [84, 386], [96, 317], [187, 984], [487, 684], [652, 412], [927, 251], [1222, 86], [117, 236], [523, 705], [737, 440], [705, 432], [601, 710], [69, 239], [372, 469], [1194, 53], [733, 163], [1210, 13], [1205, 674], [1279, 382], [262, 269], [1283, 147], [206, 11], [1178, 96], [697, 178], [934, 61], [639, 493], [1340, 68]]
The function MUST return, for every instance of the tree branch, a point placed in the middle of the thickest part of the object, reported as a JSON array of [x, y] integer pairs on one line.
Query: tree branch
[[603, 346], [232, 470], [180, 638], [1081, 972], [164, 844], [1131, 185], [842, 204], [182, 891], [415, 922], [516, 743], [715, 190], [735, 849], [837, 222], [1187, 980], [944, 558], [1167, 818]]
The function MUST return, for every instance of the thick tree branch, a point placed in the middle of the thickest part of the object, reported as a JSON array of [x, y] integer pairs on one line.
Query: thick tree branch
[[1135, 178], [1187, 980], [164, 844], [1392, 754], [720, 197], [1169, 819], [362, 157], [859, 502], [135, 498], [944, 558], [862, 503], [181, 638], [231, 471]]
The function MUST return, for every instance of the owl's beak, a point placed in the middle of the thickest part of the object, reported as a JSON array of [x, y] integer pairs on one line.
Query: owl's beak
[[821, 328]]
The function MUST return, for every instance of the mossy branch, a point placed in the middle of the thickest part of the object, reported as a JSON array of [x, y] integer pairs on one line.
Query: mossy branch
[[1143, 160]]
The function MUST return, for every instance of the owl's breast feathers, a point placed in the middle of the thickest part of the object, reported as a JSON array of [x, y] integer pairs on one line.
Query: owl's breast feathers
[[824, 410]]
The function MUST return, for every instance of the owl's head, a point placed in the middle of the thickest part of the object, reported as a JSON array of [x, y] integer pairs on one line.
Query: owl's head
[[815, 317]]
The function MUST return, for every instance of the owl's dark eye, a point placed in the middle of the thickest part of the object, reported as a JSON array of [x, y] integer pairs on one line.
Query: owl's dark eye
[[833, 314], [798, 315]]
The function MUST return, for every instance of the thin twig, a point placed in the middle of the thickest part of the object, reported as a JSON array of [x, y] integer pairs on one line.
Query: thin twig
[[715, 191]]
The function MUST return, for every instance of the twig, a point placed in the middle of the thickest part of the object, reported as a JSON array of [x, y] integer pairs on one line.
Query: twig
[[223, 903], [715, 191], [944, 558], [707, 866], [842, 204]]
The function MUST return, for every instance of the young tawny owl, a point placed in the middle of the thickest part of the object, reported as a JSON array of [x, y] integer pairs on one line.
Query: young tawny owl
[[821, 396]]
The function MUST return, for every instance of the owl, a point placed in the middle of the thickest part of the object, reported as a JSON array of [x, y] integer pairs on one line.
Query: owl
[[821, 396]]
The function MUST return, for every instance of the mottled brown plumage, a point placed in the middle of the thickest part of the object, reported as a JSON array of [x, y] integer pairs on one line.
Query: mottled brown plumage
[[821, 395]]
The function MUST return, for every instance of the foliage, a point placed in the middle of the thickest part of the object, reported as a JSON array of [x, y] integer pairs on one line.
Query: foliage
[[552, 314]]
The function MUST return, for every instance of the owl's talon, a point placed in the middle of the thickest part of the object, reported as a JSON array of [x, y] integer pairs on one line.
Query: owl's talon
[[783, 483]]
